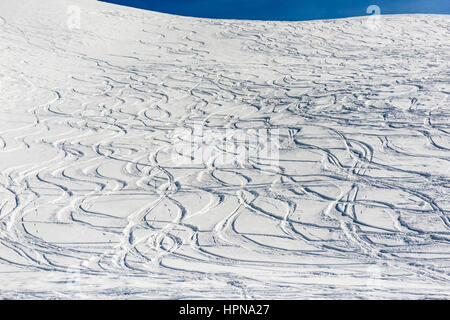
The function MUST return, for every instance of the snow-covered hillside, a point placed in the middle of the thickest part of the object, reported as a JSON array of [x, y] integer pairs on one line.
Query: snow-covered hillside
[[145, 155]]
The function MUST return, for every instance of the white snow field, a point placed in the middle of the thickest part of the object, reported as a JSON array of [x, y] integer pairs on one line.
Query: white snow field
[[114, 127]]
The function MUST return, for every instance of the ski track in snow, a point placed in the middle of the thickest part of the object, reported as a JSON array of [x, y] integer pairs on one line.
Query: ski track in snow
[[92, 206]]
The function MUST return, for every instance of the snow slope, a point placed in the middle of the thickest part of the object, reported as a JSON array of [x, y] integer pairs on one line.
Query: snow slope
[[96, 99]]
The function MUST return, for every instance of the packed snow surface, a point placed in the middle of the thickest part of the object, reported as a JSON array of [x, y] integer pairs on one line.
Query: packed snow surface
[[101, 197]]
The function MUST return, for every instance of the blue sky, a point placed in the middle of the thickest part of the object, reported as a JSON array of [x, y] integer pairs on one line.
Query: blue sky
[[285, 9]]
